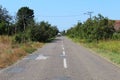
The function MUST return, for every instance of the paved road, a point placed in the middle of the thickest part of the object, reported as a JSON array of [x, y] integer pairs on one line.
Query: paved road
[[61, 60]]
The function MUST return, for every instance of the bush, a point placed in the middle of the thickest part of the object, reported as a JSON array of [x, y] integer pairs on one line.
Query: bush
[[96, 29], [43, 32], [21, 37], [116, 36]]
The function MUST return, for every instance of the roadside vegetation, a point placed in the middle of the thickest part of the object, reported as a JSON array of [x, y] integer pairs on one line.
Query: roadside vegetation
[[99, 34], [10, 52], [21, 35], [108, 49]]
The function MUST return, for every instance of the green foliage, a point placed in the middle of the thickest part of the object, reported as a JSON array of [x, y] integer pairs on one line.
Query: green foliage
[[4, 16], [21, 38], [2, 28], [116, 36], [24, 28], [110, 49], [43, 32], [25, 18], [98, 28], [4, 21]]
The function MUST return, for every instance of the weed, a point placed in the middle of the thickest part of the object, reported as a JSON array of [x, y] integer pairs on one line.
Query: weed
[[109, 49], [10, 51]]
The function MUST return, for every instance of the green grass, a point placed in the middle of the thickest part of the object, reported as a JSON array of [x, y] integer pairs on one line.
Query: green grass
[[108, 49]]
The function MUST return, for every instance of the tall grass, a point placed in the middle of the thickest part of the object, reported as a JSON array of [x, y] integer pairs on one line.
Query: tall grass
[[109, 49], [10, 52]]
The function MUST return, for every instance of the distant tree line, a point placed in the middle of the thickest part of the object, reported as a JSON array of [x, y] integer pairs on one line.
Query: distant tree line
[[94, 29], [23, 26]]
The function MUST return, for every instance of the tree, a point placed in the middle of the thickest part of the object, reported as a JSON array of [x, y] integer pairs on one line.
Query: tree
[[4, 21], [95, 29], [43, 32], [4, 16], [25, 18]]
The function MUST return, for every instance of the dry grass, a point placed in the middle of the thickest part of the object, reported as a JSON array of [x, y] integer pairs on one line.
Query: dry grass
[[37, 45], [7, 59], [10, 53]]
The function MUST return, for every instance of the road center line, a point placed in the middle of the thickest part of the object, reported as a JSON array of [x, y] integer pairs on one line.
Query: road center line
[[65, 63], [63, 48], [64, 59], [63, 53]]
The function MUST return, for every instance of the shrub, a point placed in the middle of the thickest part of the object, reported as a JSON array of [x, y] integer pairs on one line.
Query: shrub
[[21, 37], [116, 36]]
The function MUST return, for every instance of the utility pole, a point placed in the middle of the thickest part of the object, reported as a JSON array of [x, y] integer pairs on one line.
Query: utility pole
[[89, 13]]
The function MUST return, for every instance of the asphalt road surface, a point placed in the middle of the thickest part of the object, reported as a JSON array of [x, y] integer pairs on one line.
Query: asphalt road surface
[[61, 59]]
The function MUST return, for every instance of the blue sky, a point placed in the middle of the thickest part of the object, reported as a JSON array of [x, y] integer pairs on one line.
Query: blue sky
[[65, 13]]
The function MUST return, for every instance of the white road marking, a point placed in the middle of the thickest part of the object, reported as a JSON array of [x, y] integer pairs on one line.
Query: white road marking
[[63, 48], [64, 59], [63, 53], [41, 57], [65, 63]]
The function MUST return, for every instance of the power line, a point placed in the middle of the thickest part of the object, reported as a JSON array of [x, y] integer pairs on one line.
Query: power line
[[89, 13], [60, 16]]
